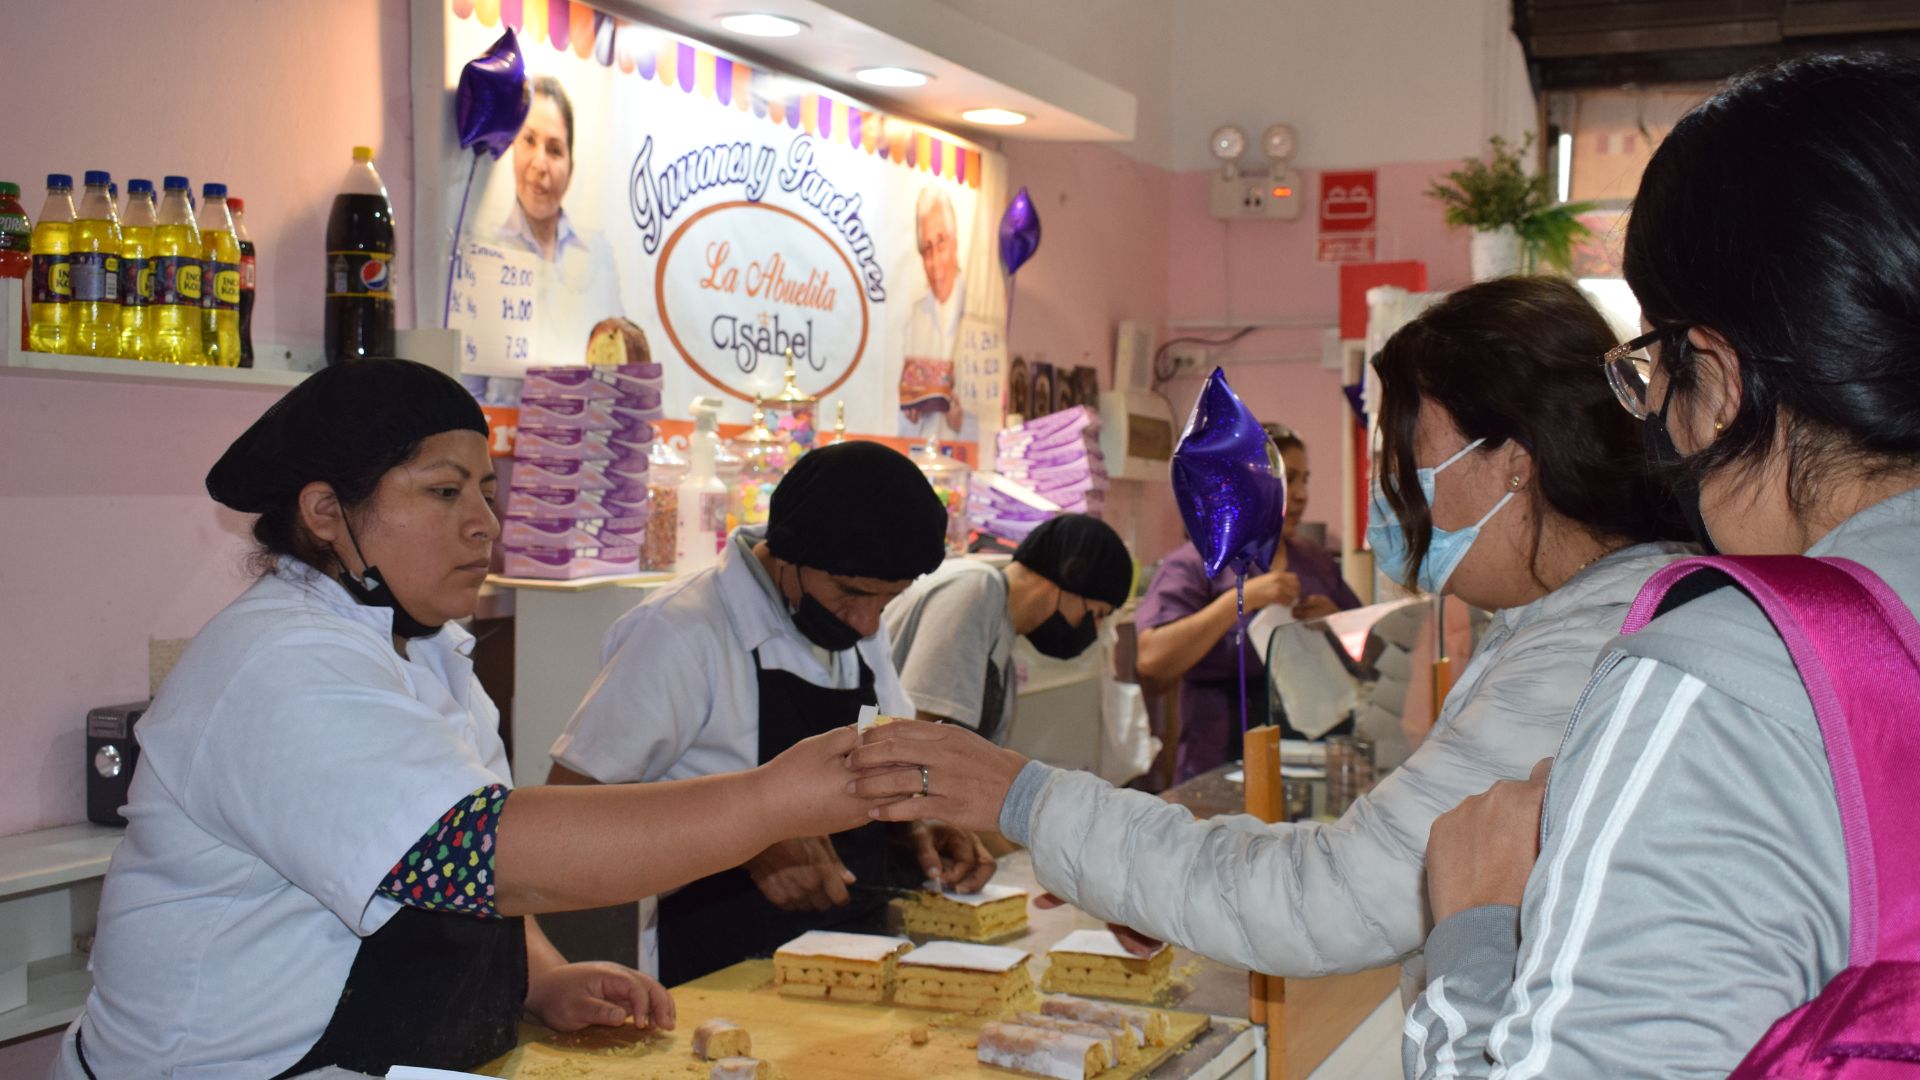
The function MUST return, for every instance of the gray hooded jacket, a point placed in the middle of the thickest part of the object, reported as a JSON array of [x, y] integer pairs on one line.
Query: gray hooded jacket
[[1692, 880], [1313, 898]]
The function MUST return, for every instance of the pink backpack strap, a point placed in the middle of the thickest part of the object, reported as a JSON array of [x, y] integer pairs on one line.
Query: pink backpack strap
[[1857, 649]]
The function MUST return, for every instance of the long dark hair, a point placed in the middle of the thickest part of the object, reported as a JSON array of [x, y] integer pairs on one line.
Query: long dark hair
[[1784, 215], [1519, 358]]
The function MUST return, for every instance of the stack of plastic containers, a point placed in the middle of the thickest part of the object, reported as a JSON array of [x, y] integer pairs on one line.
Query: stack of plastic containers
[[1055, 457], [577, 499]]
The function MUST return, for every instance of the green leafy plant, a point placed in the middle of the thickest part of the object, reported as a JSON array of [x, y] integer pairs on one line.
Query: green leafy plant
[[1496, 191]]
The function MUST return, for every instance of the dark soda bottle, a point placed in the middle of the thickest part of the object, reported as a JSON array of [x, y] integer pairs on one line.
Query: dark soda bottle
[[248, 276], [359, 316]]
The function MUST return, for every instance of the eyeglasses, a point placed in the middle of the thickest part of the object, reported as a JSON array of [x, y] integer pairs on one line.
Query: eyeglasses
[[1630, 369]]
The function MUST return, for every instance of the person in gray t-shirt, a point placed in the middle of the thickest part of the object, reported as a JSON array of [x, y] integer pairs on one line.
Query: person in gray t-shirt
[[952, 630]]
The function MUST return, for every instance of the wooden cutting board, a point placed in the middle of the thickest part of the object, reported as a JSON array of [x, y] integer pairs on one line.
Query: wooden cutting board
[[805, 1040]]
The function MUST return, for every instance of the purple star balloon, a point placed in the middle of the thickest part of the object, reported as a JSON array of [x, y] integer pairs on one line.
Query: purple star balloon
[[1228, 482], [1019, 232], [491, 102]]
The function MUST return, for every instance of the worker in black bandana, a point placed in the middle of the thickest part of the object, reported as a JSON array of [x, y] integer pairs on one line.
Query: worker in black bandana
[[724, 669], [952, 631]]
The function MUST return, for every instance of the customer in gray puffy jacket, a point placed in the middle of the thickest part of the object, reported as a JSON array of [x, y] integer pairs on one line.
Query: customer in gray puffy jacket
[[1539, 506], [1691, 881]]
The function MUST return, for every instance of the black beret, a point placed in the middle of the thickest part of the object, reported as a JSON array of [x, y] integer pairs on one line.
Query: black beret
[[1082, 555], [335, 423], [858, 509]]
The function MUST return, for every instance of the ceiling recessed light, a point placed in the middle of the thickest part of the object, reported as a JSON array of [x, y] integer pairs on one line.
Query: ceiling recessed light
[[892, 76], [994, 117], [758, 24]]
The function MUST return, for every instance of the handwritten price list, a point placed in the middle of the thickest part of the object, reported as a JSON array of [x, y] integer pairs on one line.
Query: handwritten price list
[[492, 304]]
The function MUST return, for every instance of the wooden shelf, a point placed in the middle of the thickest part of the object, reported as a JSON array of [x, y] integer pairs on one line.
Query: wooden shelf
[[603, 581], [48, 858], [57, 990]]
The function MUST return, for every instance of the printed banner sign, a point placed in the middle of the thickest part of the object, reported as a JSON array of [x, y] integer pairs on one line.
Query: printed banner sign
[[663, 192]]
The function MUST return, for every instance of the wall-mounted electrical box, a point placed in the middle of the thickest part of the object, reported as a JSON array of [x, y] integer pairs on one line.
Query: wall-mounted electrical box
[[1264, 195]]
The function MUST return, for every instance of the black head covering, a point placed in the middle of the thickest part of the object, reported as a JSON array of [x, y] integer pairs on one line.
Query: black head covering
[[334, 424], [858, 509], [1082, 555]]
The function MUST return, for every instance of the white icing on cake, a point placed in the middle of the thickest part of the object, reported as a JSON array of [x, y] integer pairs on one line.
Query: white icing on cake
[[843, 946], [963, 956], [987, 895], [1099, 943]]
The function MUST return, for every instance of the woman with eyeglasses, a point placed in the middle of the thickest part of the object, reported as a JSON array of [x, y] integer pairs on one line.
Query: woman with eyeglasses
[[1513, 482], [1691, 882]]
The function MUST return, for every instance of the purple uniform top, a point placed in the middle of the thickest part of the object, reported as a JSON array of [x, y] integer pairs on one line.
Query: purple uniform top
[[1209, 697]]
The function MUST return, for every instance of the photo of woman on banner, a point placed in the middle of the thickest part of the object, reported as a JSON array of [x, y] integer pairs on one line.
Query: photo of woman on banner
[[929, 400], [579, 285]]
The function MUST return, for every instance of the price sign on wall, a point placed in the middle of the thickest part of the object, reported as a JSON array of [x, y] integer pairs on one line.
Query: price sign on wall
[[493, 303]]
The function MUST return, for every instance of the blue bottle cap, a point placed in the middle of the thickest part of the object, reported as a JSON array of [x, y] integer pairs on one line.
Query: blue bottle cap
[[176, 183], [58, 180], [139, 187], [213, 191], [98, 176]]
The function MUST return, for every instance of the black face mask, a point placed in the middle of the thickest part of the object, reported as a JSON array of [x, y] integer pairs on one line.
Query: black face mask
[[820, 626], [1061, 639], [1684, 484], [371, 590]]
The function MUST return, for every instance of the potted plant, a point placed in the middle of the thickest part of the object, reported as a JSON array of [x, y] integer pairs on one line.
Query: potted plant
[[1516, 224]]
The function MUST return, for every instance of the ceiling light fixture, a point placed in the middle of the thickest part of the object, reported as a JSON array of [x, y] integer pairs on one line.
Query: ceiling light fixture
[[892, 76], [760, 24], [994, 117]]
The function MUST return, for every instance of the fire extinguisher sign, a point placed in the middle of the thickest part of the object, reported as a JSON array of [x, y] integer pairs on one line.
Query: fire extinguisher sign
[[1348, 203]]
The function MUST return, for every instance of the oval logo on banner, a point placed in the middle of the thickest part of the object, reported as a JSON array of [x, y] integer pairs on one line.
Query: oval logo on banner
[[740, 283]]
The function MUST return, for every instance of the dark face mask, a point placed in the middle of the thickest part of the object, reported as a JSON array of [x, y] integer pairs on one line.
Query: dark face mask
[[1061, 639], [820, 626], [372, 590], [1682, 480]]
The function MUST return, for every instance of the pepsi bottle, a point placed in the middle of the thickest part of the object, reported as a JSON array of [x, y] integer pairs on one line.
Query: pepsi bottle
[[359, 317]]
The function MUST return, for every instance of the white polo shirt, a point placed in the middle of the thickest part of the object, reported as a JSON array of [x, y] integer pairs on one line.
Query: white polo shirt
[[289, 760], [677, 696]]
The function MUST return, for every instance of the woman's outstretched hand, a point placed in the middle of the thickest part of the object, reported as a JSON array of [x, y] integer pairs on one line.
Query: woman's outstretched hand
[[966, 778]]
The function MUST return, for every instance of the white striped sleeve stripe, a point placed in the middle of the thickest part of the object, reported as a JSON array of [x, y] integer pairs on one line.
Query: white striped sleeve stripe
[[1535, 941], [1446, 1064], [1586, 904]]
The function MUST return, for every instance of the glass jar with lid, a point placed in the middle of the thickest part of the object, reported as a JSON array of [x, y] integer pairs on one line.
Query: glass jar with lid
[[790, 417], [666, 468], [949, 479], [763, 461]]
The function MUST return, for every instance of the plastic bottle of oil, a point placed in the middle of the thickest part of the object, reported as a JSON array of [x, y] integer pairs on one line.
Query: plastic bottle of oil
[[93, 265], [177, 256], [50, 318]]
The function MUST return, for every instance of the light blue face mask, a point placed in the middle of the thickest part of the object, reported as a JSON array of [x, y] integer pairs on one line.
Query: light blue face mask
[[1444, 552]]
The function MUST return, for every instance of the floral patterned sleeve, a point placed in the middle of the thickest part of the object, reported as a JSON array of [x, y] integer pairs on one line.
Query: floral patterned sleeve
[[451, 867]]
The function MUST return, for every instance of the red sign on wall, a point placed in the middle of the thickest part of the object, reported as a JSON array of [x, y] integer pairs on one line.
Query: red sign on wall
[[1348, 204]]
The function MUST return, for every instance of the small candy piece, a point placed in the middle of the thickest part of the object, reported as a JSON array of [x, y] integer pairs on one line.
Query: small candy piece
[[721, 1038], [740, 1068], [919, 1035]]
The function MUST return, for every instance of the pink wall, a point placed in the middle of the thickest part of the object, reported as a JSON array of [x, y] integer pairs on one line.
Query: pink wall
[[297, 86], [106, 535]]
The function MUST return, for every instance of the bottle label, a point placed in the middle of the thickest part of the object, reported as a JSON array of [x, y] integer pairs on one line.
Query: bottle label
[[222, 283], [52, 279], [360, 273], [246, 273], [15, 233], [136, 282], [176, 280], [95, 276]]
